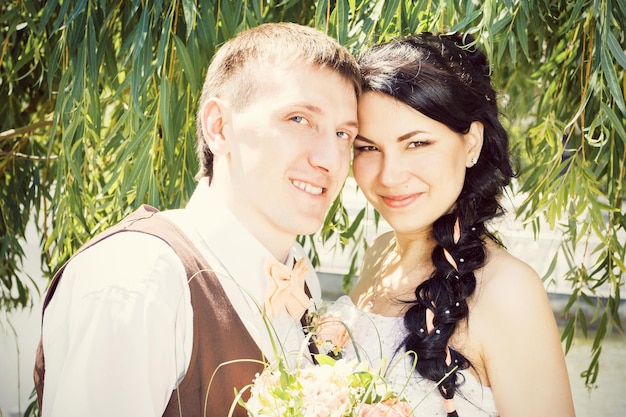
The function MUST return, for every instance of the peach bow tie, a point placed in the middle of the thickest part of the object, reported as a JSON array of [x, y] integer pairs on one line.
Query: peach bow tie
[[285, 288]]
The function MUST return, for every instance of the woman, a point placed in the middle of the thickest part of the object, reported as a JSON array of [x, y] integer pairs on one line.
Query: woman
[[432, 157]]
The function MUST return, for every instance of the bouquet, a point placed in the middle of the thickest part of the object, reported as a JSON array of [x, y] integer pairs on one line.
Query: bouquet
[[332, 388]]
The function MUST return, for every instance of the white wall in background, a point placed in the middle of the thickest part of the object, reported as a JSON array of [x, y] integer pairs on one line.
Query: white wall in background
[[17, 355]]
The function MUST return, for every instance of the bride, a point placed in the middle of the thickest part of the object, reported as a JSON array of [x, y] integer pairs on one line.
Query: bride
[[438, 297]]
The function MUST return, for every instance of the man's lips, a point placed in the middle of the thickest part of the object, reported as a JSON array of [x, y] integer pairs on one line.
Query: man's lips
[[308, 188]]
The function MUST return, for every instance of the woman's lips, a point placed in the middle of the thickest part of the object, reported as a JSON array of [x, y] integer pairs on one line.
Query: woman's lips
[[397, 201]]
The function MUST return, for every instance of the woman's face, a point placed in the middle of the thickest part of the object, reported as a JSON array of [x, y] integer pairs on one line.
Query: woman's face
[[410, 167]]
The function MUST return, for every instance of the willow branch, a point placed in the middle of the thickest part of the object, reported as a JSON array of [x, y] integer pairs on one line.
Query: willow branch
[[30, 157], [11, 133]]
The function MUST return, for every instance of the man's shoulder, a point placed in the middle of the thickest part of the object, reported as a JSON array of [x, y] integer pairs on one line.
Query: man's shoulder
[[146, 232], [124, 265], [125, 251]]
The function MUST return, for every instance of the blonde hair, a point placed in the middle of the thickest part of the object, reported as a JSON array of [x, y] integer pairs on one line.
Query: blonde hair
[[231, 76]]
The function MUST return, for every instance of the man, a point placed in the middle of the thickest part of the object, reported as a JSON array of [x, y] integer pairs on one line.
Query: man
[[138, 326]]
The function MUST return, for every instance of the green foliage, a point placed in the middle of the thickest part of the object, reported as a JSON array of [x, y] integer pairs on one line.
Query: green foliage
[[98, 100]]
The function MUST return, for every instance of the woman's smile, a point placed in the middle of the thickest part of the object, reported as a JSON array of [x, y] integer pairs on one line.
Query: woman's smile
[[400, 201]]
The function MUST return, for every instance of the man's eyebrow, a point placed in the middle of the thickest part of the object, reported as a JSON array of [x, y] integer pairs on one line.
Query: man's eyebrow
[[353, 123], [310, 107]]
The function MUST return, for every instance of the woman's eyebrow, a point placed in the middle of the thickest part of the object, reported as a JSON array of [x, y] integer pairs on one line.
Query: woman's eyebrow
[[363, 138], [399, 139], [409, 135]]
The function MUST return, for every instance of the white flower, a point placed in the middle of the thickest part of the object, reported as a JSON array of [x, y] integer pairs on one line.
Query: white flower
[[333, 388]]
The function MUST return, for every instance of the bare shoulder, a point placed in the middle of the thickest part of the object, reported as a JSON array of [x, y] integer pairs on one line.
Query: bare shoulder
[[506, 280], [510, 302], [513, 332]]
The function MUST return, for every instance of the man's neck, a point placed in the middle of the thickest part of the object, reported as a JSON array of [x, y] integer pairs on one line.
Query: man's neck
[[276, 242]]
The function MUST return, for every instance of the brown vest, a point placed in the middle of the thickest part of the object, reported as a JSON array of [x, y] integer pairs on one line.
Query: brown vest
[[219, 336]]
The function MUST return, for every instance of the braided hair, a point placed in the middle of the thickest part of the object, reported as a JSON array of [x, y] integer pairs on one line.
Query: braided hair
[[447, 79]]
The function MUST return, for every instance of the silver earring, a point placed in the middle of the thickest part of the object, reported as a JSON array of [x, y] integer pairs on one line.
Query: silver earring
[[474, 161]]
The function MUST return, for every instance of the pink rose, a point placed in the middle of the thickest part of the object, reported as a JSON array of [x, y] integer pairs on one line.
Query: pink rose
[[330, 329], [389, 408]]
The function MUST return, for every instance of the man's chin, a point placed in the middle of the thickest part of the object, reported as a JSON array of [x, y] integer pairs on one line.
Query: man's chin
[[309, 228], [306, 232]]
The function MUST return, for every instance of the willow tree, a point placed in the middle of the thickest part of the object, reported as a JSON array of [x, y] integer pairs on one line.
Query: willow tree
[[98, 97]]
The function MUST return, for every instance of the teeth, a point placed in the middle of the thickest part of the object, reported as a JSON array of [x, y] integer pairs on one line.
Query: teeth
[[311, 189]]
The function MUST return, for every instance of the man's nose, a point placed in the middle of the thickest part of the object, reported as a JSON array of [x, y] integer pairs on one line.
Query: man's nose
[[327, 153]]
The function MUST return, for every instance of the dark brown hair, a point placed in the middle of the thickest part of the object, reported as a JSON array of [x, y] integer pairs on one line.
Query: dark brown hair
[[447, 79]]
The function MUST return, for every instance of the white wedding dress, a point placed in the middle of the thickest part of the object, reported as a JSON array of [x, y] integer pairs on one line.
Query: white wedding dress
[[376, 336]]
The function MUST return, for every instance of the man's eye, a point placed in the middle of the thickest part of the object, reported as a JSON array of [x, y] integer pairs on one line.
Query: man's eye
[[344, 135], [299, 119]]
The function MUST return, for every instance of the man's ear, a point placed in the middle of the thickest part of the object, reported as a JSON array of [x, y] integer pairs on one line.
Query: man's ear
[[474, 143], [215, 116]]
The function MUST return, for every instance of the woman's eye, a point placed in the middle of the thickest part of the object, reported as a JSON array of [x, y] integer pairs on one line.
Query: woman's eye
[[417, 144], [365, 148]]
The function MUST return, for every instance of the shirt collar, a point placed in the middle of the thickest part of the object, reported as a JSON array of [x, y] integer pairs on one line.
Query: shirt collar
[[241, 257]]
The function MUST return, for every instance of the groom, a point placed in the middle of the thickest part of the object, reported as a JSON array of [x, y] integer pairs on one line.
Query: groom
[[165, 313]]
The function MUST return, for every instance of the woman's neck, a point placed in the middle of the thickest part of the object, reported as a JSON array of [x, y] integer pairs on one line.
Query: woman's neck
[[413, 249]]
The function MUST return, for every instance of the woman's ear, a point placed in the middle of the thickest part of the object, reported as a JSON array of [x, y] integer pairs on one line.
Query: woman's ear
[[474, 143], [215, 116]]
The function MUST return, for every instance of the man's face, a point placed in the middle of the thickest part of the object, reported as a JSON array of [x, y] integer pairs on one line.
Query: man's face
[[289, 149]]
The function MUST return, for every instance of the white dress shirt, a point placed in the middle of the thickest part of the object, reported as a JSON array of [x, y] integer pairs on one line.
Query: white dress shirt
[[118, 333]]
